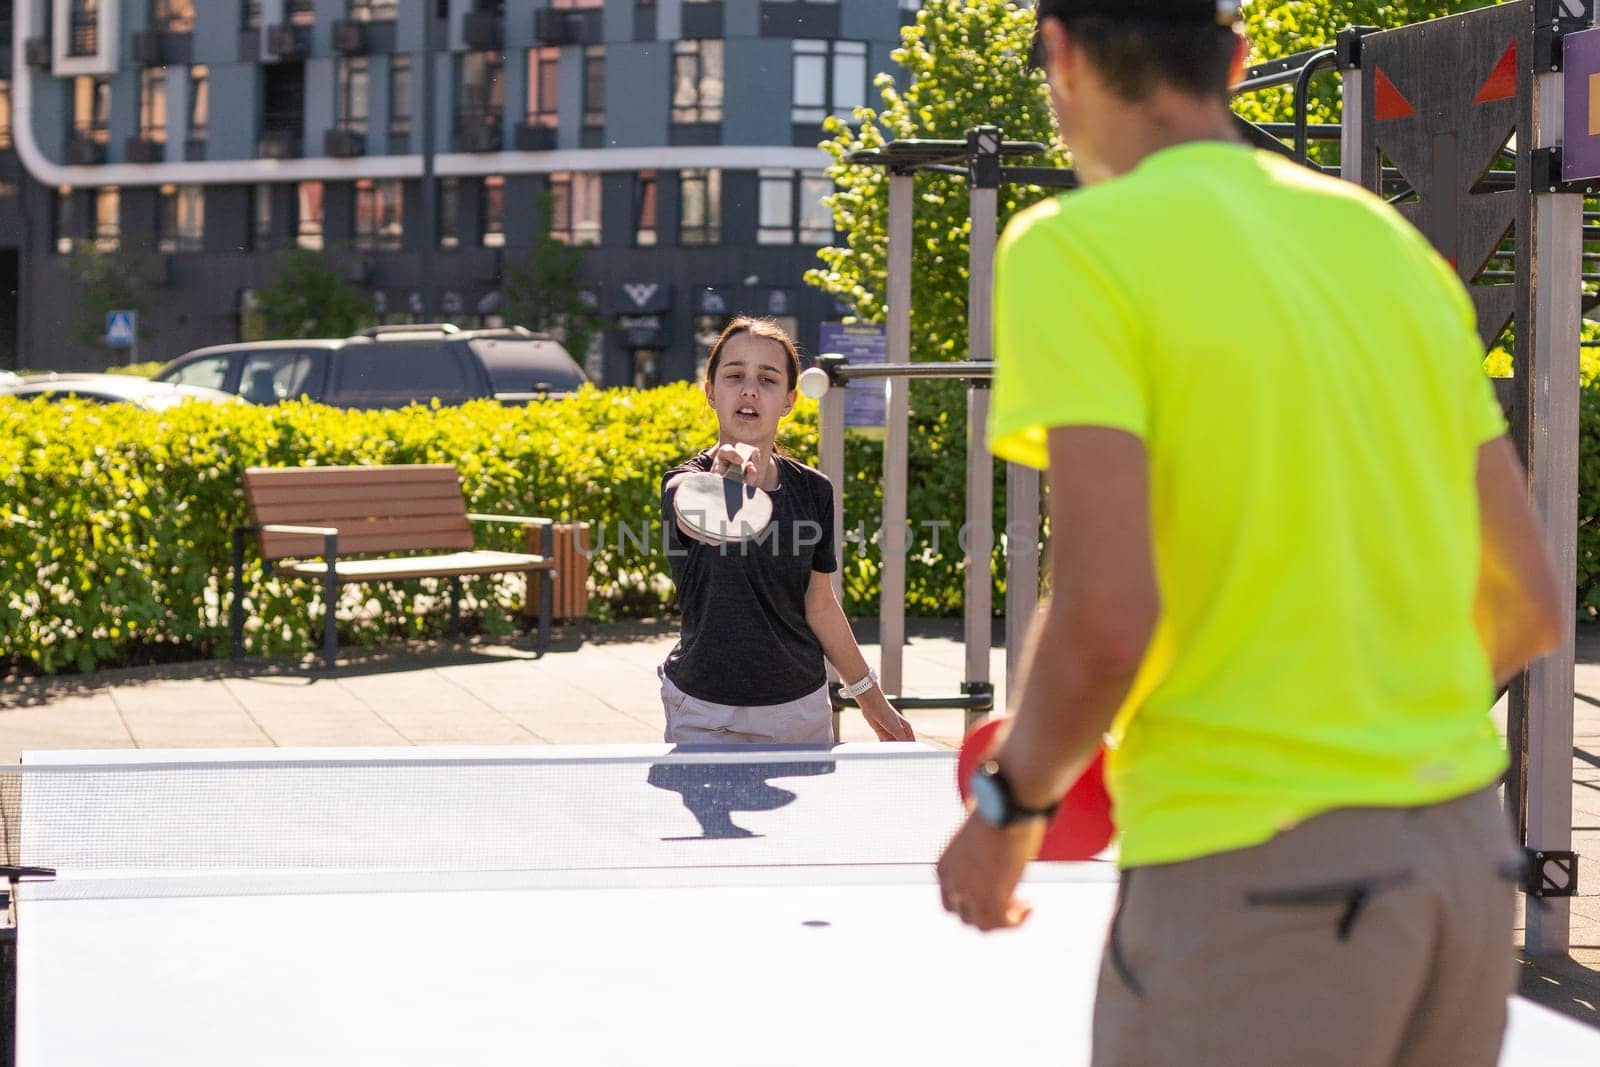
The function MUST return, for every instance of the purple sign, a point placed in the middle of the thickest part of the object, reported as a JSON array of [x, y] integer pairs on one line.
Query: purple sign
[[1580, 125], [863, 398]]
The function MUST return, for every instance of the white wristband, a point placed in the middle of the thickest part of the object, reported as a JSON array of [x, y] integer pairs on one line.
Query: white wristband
[[855, 689]]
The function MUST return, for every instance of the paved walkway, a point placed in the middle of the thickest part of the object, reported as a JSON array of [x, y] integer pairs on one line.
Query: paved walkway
[[598, 690]]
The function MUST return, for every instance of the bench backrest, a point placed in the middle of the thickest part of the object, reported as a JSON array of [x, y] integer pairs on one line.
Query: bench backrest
[[403, 508]]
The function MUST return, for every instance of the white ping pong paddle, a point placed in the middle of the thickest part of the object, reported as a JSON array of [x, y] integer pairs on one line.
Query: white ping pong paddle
[[720, 508]]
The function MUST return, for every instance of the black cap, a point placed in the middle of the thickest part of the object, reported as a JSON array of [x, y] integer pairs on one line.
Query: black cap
[[1222, 12]]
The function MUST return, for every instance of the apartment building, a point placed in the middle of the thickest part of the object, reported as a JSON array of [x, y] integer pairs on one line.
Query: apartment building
[[675, 139]]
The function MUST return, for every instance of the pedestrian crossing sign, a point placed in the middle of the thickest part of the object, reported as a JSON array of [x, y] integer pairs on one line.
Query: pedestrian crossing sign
[[121, 327]]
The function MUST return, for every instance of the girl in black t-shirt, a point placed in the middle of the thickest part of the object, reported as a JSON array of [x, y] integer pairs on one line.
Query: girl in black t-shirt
[[759, 617]]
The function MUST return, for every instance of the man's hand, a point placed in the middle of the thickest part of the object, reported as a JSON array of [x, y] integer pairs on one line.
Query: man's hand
[[980, 869], [881, 715]]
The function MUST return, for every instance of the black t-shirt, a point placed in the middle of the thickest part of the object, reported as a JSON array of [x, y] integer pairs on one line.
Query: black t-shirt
[[745, 638]]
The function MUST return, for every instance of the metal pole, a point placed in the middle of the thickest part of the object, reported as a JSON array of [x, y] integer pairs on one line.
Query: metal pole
[[1352, 84], [430, 194], [830, 459], [894, 538], [983, 147], [1552, 397]]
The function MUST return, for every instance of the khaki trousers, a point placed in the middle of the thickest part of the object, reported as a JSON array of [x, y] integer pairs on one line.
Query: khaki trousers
[[1361, 936], [692, 721]]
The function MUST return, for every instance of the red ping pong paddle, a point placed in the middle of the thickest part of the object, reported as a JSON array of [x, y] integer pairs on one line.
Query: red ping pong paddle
[[1081, 827]]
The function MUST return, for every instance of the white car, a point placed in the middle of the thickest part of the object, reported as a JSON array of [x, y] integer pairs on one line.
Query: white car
[[112, 388]]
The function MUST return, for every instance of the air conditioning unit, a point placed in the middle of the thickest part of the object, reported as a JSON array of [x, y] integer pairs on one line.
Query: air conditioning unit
[[36, 50], [531, 138], [478, 139], [482, 30], [343, 144], [350, 37], [147, 49], [555, 27], [84, 151], [140, 150], [286, 41]]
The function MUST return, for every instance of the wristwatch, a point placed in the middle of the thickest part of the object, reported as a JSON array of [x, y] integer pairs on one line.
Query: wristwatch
[[995, 802], [856, 688]]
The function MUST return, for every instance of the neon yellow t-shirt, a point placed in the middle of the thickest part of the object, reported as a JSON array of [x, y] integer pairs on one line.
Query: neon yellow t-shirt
[[1305, 374]]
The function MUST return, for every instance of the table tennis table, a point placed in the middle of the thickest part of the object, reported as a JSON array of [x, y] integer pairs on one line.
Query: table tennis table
[[575, 905]]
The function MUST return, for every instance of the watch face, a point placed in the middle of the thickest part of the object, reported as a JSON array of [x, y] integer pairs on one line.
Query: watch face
[[989, 796]]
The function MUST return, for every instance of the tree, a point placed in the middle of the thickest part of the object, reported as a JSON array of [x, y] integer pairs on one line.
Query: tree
[[307, 298], [110, 281], [544, 292], [965, 65]]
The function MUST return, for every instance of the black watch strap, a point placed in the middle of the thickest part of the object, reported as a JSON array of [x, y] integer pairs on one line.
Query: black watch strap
[[1010, 811]]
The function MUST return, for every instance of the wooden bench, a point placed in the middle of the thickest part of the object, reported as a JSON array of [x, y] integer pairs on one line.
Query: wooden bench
[[309, 521]]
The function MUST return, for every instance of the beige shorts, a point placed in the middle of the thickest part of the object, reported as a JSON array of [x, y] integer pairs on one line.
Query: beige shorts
[[1361, 936], [692, 721]]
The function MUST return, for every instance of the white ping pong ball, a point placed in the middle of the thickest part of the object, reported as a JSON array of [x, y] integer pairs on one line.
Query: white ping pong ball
[[814, 382]]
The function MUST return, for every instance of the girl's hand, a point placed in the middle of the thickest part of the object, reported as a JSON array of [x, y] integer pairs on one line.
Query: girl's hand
[[881, 715], [746, 458]]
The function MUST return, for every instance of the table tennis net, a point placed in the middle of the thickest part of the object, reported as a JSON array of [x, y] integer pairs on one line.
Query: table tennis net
[[709, 809]]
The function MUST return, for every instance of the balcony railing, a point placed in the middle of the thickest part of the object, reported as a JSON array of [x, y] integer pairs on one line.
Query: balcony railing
[[84, 28]]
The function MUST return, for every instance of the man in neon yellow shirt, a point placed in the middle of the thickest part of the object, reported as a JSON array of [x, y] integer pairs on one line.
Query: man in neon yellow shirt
[[1291, 557]]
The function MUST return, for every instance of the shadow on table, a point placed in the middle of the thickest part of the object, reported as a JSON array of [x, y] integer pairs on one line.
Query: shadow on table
[[1562, 984], [714, 791]]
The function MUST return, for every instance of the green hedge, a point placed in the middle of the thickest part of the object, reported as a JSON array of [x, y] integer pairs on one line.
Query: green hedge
[[115, 522]]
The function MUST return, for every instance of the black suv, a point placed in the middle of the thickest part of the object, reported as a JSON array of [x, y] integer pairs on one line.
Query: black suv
[[387, 367]]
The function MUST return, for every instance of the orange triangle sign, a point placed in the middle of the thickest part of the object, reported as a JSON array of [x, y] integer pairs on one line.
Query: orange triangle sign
[[1387, 101], [1501, 84]]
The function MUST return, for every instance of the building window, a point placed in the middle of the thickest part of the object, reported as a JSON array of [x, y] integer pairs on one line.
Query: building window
[[83, 28], [153, 104], [544, 87], [261, 236], [379, 214], [352, 99], [250, 15], [91, 108], [450, 213], [107, 218], [492, 207], [308, 216], [372, 10], [594, 85], [792, 211], [172, 16], [400, 96], [700, 206], [644, 208], [696, 81], [300, 12], [180, 218], [576, 5], [575, 207], [5, 113], [830, 78], [483, 85], [65, 223], [199, 103]]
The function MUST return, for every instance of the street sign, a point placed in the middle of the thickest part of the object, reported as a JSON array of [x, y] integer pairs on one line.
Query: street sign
[[122, 328], [864, 400]]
